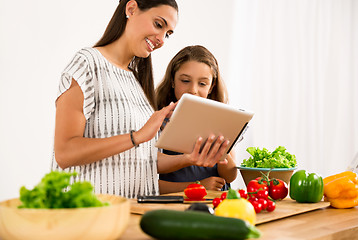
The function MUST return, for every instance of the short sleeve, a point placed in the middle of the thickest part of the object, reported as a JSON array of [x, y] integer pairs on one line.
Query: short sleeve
[[79, 70]]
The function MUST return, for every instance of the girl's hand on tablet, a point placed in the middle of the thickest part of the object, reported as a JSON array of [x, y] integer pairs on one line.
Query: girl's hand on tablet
[[211, 152]]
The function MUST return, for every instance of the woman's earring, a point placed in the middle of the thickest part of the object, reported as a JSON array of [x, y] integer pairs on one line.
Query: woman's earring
[[127, 16]]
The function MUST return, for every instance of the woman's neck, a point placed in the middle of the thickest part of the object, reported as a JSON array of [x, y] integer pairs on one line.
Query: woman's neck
[[117, 53]]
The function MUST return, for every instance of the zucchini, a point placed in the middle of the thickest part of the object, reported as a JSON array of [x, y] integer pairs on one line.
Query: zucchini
[[194, 225]]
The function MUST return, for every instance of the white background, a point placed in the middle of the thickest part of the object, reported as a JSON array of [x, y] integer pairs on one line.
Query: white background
[[39, 37]]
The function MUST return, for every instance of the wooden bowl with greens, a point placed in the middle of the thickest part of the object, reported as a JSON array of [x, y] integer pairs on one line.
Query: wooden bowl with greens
[[278, 164], [50, 212]]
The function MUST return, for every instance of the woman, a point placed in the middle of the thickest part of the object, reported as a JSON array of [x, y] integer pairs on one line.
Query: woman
[[194, 70], [106, 126]]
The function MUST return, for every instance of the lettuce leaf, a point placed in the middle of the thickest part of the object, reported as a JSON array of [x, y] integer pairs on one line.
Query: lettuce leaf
[[55, 191], [279, 158]]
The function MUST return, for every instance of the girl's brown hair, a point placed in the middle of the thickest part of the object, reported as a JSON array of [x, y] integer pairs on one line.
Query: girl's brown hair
[[165, 92], [141, 67]]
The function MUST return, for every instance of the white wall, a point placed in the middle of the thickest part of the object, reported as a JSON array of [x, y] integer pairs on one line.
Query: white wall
[[38, 38]]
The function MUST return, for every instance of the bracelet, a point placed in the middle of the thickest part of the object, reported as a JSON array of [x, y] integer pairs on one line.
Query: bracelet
[[132, 139]]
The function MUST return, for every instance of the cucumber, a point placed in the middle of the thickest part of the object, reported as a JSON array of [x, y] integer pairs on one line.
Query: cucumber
[[194, 225]]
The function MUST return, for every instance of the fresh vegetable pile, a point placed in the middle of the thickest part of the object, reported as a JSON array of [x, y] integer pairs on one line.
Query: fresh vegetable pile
[[261, 193], [51, 193], [265, 159], [341, 190]]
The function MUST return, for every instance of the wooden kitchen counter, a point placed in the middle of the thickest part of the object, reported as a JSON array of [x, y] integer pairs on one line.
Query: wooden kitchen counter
[[324, 223]]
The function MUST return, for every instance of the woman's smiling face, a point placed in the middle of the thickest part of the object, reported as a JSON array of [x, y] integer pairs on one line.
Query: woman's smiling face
[[147, 30], [194, 78]]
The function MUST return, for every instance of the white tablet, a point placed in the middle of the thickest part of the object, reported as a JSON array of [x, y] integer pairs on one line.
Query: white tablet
[[196, 116]]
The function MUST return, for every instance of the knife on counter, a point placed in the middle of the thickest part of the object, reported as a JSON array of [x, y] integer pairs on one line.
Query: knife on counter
[[169, 199]]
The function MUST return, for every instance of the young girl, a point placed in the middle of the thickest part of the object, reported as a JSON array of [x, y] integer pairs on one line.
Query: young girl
[[106, 126], [194, 70]]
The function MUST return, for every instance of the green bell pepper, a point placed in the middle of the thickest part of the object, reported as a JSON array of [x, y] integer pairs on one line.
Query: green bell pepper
[[306, 187]]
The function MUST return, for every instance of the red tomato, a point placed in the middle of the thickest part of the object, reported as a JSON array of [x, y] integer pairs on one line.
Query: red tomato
[[217, 201], [223, 195], [257, 206], [278, 189], [263, 180], [243, 193], [253, 199], [255, 185], [262, 194], [263, 202], [271, 205], [251, 190], [195, 191]]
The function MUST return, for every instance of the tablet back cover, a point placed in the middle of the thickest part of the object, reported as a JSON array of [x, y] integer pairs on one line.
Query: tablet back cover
[[196, 116]]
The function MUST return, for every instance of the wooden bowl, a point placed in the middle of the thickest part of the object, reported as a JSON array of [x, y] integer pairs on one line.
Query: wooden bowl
[[249, 174], [107, 222]]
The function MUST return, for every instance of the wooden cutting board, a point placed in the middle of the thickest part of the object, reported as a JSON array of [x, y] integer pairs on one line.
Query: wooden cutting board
[[284, 208]]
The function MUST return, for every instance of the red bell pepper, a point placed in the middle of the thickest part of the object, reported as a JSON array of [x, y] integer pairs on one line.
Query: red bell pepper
[[195, 191]]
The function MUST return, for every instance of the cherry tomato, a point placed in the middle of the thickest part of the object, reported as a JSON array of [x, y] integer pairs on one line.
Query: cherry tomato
[[217, 201], [255, 185], [263, 202], [262, 180], [253, 199], [223, 195], [251, 190], [271, 205], [257, 206], [278, 189], [243, 193], [262, 194]]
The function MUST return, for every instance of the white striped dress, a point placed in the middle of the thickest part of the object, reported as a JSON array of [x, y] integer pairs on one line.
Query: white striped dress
[[114, 104]]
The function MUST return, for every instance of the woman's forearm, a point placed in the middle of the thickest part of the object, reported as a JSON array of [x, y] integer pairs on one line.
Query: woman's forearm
[[171, 163], [80, 151]]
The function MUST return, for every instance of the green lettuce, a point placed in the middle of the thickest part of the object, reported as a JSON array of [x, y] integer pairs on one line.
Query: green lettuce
[[265, 159], [55, 191]]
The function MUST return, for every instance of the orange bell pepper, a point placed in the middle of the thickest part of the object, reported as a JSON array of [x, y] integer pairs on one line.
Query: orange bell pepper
[[344, 202], [351, 175], [341, 190]]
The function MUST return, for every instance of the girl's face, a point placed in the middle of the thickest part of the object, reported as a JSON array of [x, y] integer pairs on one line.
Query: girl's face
[[193, 77], [147, 30]]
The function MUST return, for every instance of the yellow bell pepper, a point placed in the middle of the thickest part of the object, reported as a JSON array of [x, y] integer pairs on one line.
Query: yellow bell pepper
[[237, 208], [341, 190]]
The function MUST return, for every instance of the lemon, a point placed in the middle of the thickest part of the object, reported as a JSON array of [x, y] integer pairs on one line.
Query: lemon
[[237, 208]]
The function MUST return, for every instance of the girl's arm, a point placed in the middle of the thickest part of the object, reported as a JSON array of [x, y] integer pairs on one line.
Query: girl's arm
[[210, 183], [228, 171], [171, 163], [72, 149], [172, 187]]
